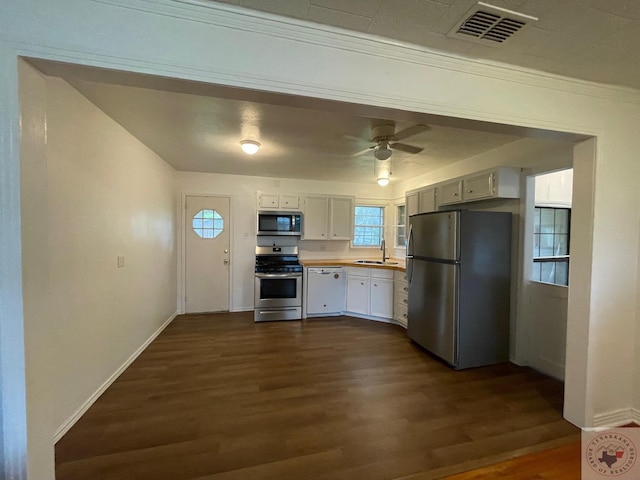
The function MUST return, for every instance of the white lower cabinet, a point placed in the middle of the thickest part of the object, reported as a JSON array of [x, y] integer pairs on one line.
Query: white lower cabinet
[[358, 294], [381, 297], [370, 292]]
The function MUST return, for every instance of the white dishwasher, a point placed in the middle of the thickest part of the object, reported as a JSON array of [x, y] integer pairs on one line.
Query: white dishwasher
[[326, 291]]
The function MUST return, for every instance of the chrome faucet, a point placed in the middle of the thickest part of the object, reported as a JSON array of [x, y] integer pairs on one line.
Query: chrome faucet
[[383, 247]]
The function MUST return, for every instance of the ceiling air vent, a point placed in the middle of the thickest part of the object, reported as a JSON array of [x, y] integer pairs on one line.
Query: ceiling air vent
[[489, 25]]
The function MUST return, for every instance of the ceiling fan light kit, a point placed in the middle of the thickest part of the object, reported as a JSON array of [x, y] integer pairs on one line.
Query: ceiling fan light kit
[[382, 151], [382, 172], [250, 147]]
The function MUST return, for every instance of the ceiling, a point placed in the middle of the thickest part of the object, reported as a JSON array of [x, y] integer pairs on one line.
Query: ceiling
[[198, 127], [594, 40], [201, 133]]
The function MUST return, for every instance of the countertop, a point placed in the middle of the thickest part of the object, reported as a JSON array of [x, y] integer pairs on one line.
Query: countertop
[[349, 262]]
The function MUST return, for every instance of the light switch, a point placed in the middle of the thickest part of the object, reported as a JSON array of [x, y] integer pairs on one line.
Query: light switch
[[120, 261]]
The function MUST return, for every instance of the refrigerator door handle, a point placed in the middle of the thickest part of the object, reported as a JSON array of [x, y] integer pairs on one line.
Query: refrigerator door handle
[[409, 255]]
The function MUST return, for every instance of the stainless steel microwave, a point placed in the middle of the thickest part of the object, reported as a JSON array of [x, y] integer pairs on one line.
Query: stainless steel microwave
[[279, 223]]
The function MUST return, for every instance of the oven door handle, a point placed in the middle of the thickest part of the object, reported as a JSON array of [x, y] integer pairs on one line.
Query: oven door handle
[[278, 275]]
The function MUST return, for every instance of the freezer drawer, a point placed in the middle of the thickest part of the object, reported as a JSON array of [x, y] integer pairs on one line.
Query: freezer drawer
[[433, 308]]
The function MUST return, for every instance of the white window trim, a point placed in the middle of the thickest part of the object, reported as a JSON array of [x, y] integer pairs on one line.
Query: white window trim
[[396, 203]]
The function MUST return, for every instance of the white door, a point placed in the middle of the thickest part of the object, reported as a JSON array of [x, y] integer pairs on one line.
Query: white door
[[207, 254]]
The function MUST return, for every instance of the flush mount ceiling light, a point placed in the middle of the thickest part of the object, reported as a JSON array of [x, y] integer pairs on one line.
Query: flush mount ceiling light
[[249, 146]]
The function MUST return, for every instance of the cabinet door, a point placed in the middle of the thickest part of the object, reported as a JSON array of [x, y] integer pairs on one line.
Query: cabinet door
[[412, 203], [268, 200], [480, 186], [381, 299], [316, 216], [358, 295], [427, 200], [289, 202], [342, 212], [450, 193]]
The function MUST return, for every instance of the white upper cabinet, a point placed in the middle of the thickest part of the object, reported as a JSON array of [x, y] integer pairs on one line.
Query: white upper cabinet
[[274, 201], [427, 200], [341, 212], [555, 189], [477, 187], [268, 200], [502, 182], [450, 192], [315, 223], [289, 202], [328, 218]]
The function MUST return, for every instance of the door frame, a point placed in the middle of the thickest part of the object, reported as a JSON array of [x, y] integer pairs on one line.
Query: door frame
[[182, 267]]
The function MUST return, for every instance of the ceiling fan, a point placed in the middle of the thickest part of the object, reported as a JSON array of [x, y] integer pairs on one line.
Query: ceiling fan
[[386, 139]]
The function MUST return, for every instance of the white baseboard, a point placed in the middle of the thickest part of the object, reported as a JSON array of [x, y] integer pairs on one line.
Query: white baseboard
[[617, 418], [548, 367], [70, 422]]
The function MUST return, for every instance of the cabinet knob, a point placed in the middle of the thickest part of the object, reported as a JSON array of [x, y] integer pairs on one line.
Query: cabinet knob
[[406, 289], [323, 234], [469, 191], [361, 283], [455, 194], [405, 300], [375, 284]]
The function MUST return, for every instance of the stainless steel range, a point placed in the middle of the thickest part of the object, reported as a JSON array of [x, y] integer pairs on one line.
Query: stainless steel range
[[278, 284]]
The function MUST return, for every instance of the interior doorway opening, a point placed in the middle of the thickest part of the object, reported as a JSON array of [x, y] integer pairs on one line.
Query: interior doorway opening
[[547, 260]]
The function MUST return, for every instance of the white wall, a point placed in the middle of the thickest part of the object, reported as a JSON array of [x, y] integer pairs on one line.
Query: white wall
[[108, 195], [38, 321], [243, 192], [299, 59]]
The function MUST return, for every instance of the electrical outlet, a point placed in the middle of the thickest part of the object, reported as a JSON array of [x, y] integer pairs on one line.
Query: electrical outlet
[[120, 261]]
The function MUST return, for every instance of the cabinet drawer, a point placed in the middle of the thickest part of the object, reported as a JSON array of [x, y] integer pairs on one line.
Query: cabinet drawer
[[400, 313], [400, 298], [381, 273], [401, 288], [357, 272], [399, 276]]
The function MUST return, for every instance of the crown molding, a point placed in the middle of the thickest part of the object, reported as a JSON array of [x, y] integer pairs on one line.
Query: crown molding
[[238, 18]]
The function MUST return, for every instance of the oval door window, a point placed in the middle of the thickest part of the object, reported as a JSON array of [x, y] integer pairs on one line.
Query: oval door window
[[208, 224]]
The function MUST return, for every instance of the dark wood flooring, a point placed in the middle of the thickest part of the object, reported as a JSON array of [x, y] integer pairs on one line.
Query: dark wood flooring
[[220, 397]]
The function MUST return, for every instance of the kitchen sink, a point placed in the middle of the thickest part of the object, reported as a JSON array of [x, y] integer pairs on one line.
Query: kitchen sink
[[374, 262]]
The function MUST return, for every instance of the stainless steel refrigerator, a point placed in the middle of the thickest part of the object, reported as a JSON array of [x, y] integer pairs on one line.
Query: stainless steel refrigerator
[[458, 270]]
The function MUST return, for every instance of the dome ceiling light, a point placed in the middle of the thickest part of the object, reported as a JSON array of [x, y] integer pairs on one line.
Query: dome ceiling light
[[250, 147]]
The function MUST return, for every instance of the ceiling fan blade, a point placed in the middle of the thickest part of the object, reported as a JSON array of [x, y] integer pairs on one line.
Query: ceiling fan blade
[[408, 132], [358, 139], [362, 152], [403, 147]]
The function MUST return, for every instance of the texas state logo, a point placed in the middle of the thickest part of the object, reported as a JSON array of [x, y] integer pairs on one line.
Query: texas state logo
[[610, 454]]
